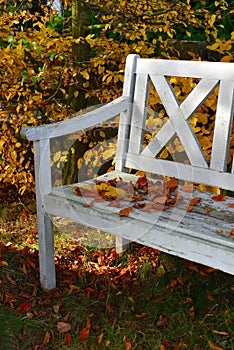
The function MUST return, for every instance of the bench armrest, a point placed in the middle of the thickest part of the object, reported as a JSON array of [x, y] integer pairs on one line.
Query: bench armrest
[[77, 123]]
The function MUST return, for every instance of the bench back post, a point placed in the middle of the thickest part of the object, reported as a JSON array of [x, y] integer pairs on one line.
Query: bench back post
[[125, 117]]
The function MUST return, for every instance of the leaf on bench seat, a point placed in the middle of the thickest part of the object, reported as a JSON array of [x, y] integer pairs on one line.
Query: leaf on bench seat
[[146, 194], [125, 211], [219, 198]]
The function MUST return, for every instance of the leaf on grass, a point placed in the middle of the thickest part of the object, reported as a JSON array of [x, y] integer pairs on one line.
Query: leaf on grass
[[140, 315], [219, 198], [24, 307], [231, 205], [84, 334], [46, 339], [68, 339], [125, 211], [128, 346], [63, 327], [99, 338], [213, 346], [231, 233]]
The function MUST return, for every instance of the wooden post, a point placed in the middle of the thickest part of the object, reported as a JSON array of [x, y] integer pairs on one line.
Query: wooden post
[[45, 225]]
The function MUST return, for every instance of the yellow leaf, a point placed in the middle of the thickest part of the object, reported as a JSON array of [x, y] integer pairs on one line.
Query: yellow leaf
[[79, 163], [57, 156], [76, 93], [108, 154], [85, 74], [212, 20]]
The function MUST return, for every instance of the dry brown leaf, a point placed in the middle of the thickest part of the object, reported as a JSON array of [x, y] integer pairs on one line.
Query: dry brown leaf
[[63, 327]]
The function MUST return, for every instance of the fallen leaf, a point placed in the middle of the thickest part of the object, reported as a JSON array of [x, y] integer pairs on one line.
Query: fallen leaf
[[231, 232], [161, 321], [99, 338], [63, 327], [188, 188], [128, 346], [220, 332], [190, 208], [194, 201], [68, 339], [125, 211], [24, 307], [46, 339], [210, 296], [84, 334], [219, 198], [140, 315], [213, 346], [231, 205]]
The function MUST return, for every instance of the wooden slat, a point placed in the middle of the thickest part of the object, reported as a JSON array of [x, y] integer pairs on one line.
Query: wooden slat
[[125, 116], [181, 171], [80, 122], [139, 111], [189, 106], [223, 126], [181, 126], [193, 69]]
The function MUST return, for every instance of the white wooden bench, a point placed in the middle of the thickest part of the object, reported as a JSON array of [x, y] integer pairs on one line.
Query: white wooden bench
[[203, 235]]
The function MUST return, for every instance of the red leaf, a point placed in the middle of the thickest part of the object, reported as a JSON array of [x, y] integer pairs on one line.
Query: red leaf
[[24, 307], [231, 205], [84, 334], [231, 232], [219, 198], [142, 181], [68, 339], [125, 211]]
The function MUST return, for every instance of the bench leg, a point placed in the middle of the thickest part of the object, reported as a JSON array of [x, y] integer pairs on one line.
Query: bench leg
[[46, 251], [121, 244]]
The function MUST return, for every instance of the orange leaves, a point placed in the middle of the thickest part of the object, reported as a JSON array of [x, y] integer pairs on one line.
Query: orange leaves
[[192, 203], [219, 198], [147, 195], [125, 211], [84, 334]]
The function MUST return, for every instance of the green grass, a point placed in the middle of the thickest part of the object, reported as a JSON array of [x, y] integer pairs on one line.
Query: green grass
[[139, 300]]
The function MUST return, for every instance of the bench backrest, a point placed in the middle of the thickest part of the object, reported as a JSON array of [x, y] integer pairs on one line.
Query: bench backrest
[[139, 73]]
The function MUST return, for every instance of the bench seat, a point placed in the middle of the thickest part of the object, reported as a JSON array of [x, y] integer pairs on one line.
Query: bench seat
[[208, 228]]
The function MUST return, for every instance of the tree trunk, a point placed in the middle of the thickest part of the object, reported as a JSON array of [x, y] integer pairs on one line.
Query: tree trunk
[[81, 51]]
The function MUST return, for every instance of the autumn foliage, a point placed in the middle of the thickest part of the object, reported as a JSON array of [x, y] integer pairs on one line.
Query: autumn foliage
[[38, 69]]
